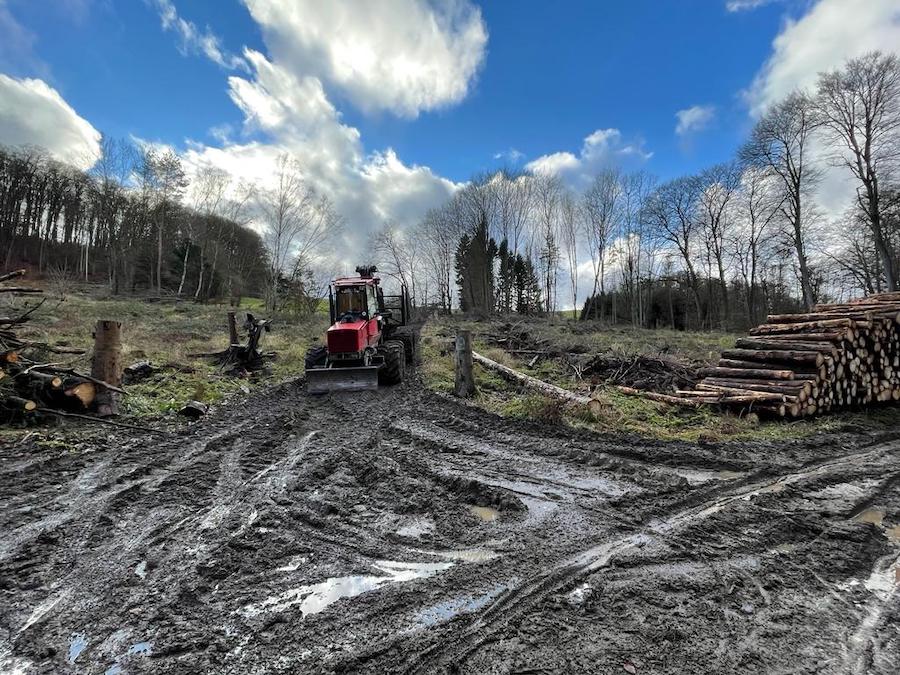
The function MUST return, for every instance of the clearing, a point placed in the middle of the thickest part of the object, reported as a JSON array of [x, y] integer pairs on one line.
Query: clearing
[[406, 531]]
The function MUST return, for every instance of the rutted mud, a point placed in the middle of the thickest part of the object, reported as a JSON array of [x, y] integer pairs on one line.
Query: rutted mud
[[284, 536]]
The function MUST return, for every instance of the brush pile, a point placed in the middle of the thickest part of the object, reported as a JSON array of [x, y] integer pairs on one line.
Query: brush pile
[[796, 365], [33, 376]]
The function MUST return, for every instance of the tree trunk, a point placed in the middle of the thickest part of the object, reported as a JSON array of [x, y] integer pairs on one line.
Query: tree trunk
[[107, 365]]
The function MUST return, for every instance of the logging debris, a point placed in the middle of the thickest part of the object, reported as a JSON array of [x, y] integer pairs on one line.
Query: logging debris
[[241, 360], [30, 382]]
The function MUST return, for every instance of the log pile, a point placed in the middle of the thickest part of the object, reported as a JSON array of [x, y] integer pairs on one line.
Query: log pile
[[795, 365], [32, 379]]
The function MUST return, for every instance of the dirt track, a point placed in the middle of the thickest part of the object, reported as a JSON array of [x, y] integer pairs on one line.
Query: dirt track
[[280, 536]]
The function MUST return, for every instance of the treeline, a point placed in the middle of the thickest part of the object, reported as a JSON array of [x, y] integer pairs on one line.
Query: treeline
[[125, 222], [718, 249]]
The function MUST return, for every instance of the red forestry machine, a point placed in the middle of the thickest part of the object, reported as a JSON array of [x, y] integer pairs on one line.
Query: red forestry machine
[[369, 342]]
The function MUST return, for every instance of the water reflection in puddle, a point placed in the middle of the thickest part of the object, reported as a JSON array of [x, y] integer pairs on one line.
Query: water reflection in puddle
[[417, 528], [76, 646], [313, 598], [485, 513], [444, 611]]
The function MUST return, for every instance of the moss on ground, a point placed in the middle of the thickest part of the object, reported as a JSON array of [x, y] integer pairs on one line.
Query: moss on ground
[[620, 412]]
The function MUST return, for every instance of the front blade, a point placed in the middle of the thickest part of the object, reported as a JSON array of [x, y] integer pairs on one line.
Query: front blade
[[325, 380]]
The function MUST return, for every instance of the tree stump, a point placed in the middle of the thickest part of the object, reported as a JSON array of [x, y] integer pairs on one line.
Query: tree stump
[[107, 365], [464, 386]]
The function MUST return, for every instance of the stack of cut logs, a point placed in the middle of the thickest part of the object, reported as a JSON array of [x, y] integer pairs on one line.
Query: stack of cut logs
[[795, 365], [31, 375]]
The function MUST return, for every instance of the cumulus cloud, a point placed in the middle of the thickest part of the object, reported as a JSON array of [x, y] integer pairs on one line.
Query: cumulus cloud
[[828, 34], [405, 56], [601, 149], [294, 115], [693, 119], [195, 41], [33, 113]]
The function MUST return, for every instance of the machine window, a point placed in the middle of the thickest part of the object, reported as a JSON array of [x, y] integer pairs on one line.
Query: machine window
[[351, 300]]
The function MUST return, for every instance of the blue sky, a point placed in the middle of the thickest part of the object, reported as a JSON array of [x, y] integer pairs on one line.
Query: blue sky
[[552, 74], [390, 105]]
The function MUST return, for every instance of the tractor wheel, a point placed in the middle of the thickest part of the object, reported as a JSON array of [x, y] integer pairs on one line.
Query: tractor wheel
[[410, 340], [315, 357], [394, 363]]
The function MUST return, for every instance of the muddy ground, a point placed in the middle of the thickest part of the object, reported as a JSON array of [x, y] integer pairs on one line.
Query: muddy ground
[[402, 531]]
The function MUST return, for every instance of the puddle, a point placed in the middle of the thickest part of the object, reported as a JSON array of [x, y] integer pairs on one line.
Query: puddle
[[140, 649], [444, 611], [698, 476], [417, 528], [470, 555], [883, 582], [578, 595], [485, 513], [293, 565], [876, 518], [141, 569], [313, 598], [76, 646]]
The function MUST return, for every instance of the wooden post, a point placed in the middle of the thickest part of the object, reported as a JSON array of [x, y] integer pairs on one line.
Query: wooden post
[[107, 365], [232, 330], [465, 378]]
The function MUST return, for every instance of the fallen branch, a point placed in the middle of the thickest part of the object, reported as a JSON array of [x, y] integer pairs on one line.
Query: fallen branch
[[12, 275], [532, 382], [103, 420]]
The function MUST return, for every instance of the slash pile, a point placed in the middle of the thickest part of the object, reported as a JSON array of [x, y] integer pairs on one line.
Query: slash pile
[[795, 365]]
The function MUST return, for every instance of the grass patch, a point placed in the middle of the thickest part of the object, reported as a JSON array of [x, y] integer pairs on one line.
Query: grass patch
[[620, 413], [166, 333]]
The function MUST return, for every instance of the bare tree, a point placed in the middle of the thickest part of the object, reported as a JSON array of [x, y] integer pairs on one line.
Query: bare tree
[[638, 253], [757, 205], [298, 221], [672, 213], [718, 187], [601, 202], [779, 144], [570, 229], [548, 195], [860, 108]]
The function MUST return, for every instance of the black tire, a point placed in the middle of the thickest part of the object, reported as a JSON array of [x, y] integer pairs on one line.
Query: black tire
[[410, 340], [394, 363], [317, 356]]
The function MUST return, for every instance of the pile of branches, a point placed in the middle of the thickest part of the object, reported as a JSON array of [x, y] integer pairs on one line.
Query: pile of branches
[[837, 356], [31, 376], [640, 371]]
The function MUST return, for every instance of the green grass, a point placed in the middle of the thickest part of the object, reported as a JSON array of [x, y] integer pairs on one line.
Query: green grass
[[620, 412], [167, 333]]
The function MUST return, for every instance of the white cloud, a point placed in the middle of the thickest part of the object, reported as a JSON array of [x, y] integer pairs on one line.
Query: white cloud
[[195, 41], [693, 119], [747, 5], [295, 116], [32, 113], [603, 148], [512, 155], [829, 33], [405, 56]]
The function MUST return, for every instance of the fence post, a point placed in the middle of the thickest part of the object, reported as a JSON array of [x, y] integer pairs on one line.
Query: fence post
[[464, 386], [106, 365]]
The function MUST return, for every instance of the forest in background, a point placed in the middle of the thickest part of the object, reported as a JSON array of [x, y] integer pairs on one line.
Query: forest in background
[[719, 249]]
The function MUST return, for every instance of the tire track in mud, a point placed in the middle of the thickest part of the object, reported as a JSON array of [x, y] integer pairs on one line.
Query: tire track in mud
[[518, 601]]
